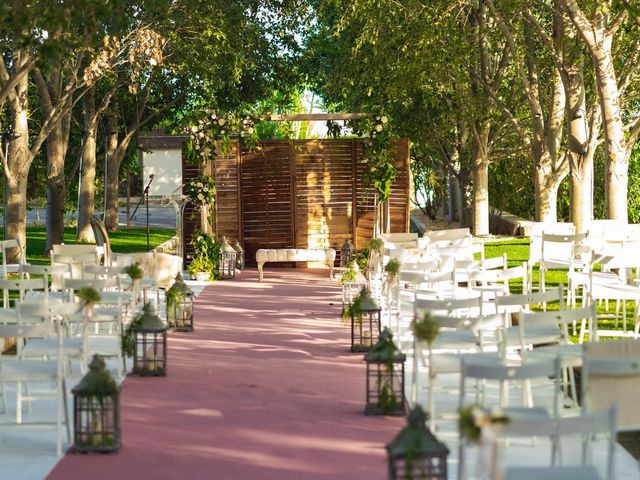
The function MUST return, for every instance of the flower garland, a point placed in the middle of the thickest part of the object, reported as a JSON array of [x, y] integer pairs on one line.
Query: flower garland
[[210, 130], [378, 152], [201, 190]]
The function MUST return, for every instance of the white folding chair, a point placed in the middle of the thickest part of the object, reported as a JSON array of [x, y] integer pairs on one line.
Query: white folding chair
[[23, 371], [535, 240], [611, 374], [560, 252], [582, 429], [8, 268], [484, 372]]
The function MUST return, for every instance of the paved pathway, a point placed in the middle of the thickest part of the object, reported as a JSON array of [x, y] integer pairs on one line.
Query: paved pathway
[[264, 389]]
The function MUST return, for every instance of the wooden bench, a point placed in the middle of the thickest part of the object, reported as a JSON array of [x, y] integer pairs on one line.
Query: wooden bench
[[295, 255]]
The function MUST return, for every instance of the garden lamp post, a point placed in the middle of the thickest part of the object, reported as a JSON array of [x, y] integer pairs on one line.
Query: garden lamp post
[[227, 263], [365, 321], [150, 345], [346, 253], [239, 255], [416, 453], [180, 306], [96, 411], [385, 377]]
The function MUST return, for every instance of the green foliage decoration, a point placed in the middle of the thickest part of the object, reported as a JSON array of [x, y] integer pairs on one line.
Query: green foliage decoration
[[381, 170], [474, 418], [135, 271], [426, 328], [206, 255], [350, 274], [201, 190], [392, 268], [210, 133], [362, 259], [88, 295]]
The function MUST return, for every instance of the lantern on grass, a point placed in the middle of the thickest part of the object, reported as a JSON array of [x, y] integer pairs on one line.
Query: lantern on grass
[[227, 262], [346, 253], [385, 377], [365, 321], [239, 255], [96, 410], [180, 306], [416, 453], [150, 344]]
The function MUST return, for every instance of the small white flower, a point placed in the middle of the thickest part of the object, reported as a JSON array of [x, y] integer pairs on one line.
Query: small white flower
[[199, 184], [194, 129], [250, 130], [205, 189], [378, 128], [384, 119], [201, 135], [221, 132], [196, 147], [200, 196], [221, 122], [378, 118]]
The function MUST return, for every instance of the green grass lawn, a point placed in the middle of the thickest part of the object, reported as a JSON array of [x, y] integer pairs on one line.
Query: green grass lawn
[[125, 240], [517, 251]]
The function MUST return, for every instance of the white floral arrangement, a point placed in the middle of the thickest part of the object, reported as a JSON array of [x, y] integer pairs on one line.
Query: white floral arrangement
[[379, 125], [201, 190]]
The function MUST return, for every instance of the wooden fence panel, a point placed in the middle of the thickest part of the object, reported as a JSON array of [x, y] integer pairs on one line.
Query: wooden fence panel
[[299, 194]]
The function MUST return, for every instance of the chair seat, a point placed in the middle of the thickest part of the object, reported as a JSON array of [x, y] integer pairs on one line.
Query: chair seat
[[47, 347], [28, 370], [108, 346], [533, 336], [552, 473], [455, 339]]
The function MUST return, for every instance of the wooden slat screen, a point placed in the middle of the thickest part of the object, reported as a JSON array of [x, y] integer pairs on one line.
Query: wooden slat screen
[[300, 194]]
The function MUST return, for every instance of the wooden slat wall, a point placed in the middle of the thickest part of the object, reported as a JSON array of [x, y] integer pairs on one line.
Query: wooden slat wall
[[267, 198], [228, 200], [299, 194], [399, 201], [189, 224]]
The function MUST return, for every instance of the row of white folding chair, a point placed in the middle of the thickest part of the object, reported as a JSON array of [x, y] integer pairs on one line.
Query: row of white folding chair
[[39, 322]]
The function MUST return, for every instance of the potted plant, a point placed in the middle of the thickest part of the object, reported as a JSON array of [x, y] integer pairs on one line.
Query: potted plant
[[204, 263], [200, 267]]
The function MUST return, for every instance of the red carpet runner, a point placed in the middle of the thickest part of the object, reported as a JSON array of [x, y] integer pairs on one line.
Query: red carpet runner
[[265, 388]]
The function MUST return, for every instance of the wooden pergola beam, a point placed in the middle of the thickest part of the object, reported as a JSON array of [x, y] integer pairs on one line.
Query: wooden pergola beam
[[314, 117]]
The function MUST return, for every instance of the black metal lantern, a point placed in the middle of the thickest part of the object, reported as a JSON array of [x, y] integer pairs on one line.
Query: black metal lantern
[[416, 453], [96, 410], [346, 253], [180, 306], [239, 255], [365, 321], [385, 377], [227, 262], [150, 344]]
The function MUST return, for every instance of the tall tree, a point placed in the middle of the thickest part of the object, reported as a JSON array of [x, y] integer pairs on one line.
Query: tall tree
[[599, 26]]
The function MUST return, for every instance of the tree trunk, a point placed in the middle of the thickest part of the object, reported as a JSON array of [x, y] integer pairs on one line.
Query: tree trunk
[[480, 222], [598, 36], [86, 200], [581, 191], [547, 183], [18, 164], [617, 165], [57, 144], [113, 170]]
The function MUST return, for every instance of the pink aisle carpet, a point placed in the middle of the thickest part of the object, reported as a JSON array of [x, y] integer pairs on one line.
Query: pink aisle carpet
[[265, 388]]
